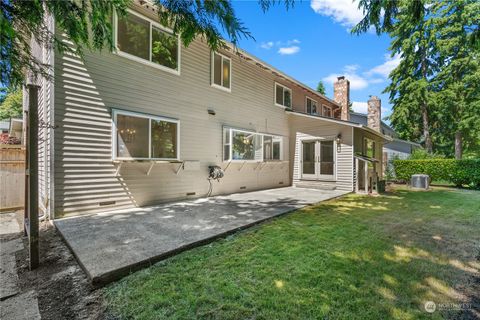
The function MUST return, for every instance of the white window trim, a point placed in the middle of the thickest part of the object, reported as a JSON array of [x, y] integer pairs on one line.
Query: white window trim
[[249, 132], [306, 104], [149, 63], [275, 96], [212, 69], [116, 112], [329, 108]]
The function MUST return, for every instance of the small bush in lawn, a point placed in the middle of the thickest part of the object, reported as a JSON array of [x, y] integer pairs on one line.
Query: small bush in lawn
[[459, 172]]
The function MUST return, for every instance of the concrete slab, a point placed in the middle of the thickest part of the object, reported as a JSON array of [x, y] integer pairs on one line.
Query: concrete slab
[[9, 223], [21, 307], [112, 244]]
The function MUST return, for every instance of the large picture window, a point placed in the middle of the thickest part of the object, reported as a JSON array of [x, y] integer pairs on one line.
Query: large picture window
[[139, 136], [147, 41], [283, 96], [221, 71], [250, 146]]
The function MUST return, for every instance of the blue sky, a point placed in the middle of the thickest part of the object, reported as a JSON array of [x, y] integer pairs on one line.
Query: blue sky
[[312, 42]]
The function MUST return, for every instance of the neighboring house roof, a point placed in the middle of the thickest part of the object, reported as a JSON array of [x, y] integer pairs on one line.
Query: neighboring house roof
[[341, 122], [409, 142], [363, 119]]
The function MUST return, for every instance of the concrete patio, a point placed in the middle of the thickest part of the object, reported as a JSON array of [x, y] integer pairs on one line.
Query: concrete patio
[[113, 244]]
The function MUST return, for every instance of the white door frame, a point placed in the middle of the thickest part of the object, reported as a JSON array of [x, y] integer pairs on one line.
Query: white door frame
[[317, 157]]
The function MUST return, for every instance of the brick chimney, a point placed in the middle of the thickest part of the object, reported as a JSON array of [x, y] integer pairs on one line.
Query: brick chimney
[[341, 95], [374, 113]]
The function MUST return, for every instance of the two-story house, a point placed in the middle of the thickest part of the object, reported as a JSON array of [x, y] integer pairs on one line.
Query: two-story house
[[143, 125]]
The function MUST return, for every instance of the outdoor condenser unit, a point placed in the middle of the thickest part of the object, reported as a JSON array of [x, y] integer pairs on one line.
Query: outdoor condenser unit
[[420, 181]]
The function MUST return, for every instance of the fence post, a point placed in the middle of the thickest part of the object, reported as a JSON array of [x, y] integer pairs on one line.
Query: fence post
[[31, 187]]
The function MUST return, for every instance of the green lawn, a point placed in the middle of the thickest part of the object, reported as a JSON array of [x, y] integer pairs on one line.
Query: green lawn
[[356, 257]]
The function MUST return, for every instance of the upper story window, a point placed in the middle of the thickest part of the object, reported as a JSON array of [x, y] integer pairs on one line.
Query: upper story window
[[140, 136], [327, 111], [283, 96], [311, 106], [250, 146], [221, 71], [146, 41]]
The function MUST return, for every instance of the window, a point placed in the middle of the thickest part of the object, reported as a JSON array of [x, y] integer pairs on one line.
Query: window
[[283, 96], [311, 106], [146, 41], [369, 148], [221, 71], [250, 146], [327, 111], [139, 136]]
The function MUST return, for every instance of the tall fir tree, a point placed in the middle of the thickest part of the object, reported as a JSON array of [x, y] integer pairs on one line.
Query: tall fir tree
[[410, 88], [457, 84]]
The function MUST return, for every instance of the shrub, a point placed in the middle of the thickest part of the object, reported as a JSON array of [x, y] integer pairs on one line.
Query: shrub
[[459, 172]]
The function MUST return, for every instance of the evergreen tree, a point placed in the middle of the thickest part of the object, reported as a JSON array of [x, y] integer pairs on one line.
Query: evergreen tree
[[321, 87], [458, 81], [410, 88]]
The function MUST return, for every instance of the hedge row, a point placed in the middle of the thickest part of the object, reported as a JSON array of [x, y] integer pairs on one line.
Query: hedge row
[[459, 172]]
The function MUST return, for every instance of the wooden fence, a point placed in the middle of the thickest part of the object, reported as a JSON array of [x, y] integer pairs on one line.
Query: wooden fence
[[12, 177]]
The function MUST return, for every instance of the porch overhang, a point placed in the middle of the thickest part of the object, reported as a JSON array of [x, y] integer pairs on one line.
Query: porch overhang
[[340, 122]]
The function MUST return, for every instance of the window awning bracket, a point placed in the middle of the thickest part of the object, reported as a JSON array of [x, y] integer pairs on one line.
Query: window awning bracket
[[150, 168], [181, 166], [228, 165], [117, 172], [241, 167]]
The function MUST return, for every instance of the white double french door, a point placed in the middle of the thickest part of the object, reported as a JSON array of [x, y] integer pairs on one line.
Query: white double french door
[[318, 160]]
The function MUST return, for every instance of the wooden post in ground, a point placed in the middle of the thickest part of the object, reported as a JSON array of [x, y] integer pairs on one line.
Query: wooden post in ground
[[31, 198]]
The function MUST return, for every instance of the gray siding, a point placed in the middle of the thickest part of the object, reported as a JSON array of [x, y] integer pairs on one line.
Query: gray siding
[[303, 127], [86, 91]]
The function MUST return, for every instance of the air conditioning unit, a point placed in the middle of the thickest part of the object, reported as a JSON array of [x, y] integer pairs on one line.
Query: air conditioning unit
[[420, 181]]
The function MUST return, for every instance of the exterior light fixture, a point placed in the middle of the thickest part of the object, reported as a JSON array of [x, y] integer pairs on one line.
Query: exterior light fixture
[[338, 139]]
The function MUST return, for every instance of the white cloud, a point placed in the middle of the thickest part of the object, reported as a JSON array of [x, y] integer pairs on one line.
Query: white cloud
[[361, 80], [357, 82], [289, 50], [345, 12], [284, 47], [385, 68], [267, 45], [360, 107]]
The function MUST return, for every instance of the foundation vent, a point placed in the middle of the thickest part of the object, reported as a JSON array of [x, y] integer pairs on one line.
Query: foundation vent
[[106, 203], [281, 182], [191, 193], [243, 188]]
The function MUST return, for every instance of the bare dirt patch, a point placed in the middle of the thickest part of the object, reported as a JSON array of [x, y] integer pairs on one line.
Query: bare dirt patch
[[63, 289]]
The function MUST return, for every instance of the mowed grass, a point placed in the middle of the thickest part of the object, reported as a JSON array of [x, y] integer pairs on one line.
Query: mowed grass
[[357, 257]]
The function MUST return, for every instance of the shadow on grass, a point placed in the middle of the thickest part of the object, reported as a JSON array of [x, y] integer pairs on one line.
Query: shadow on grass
[[356, 257]]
